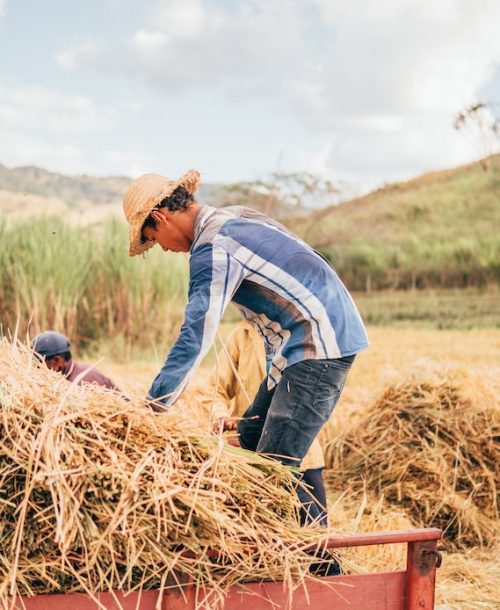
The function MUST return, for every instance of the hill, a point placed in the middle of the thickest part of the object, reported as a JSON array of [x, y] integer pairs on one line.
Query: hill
[[37, 190], [440, 229], [73, 190]]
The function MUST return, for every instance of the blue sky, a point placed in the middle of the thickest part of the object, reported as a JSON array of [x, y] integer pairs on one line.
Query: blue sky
[[353, 90]]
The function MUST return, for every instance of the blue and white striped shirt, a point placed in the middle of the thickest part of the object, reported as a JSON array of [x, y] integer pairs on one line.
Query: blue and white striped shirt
[[279, 283]]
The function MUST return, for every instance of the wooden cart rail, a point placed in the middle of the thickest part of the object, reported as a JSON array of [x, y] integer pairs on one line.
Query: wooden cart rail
[[410, 589]]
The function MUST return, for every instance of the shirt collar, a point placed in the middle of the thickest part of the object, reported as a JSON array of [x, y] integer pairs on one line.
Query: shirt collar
[[202, 216]]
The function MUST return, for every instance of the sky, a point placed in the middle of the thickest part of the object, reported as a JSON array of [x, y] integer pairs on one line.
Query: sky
[[352, 90]]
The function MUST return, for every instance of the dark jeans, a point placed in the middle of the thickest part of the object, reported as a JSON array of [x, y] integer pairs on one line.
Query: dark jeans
[[284, 421], [313, 478]]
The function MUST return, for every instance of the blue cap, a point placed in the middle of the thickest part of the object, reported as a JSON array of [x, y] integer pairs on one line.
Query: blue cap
[[50, 343]]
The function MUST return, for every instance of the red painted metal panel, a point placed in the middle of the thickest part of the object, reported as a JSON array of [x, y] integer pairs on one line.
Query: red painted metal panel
[[356, 591], [353, 592], [367, 538], [144, 600], [421, 575], [409, 590]]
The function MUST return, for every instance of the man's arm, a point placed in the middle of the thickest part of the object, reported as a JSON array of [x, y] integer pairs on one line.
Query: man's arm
[[214, 277]]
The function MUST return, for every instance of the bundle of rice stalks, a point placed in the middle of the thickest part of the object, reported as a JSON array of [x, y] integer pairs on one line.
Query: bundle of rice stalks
[[430, 445], [469, 580], [97, 493]]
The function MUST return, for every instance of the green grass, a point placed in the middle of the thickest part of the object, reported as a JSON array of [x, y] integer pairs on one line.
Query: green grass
[[81, 281], [444, 309], [439, 230]]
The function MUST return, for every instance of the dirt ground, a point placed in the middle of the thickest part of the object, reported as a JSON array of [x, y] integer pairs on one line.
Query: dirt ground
[[466, 581]]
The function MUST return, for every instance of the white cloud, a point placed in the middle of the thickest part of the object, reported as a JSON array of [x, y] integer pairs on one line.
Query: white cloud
[[19, 149], [182, 19], [128, 163], [24, 149], [3, 6], [394, 75], [423, 143], [385, 81], [376, 85], [399, 57], [87, 53], [185, 45], [39, 108], [147, 43], [44, 127]]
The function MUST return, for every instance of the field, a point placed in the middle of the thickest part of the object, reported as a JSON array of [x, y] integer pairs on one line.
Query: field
[[424, 268], [467, 579], [431, 309]]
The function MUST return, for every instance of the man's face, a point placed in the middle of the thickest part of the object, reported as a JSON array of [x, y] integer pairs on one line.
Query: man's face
[[167, 232], [55, 363]]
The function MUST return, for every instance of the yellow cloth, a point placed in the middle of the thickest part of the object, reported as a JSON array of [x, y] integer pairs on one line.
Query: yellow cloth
[[240, 369]]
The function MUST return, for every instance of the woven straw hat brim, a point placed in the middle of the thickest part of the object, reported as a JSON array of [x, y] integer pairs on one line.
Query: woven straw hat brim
[[143, 195]]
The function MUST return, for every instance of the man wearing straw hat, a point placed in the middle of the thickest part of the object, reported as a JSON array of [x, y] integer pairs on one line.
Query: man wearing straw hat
[[283, 287]]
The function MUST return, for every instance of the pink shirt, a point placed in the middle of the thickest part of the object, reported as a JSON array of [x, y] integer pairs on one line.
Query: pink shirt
[[73, 370]]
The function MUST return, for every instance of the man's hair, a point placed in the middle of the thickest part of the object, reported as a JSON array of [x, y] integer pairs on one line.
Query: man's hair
[[65, 355], [179, 200]]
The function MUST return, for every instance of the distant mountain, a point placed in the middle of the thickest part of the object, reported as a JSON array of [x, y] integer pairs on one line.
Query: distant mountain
[[34, 185], [73, 190]]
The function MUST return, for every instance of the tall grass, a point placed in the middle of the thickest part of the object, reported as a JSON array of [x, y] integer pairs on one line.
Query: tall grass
[[81, 281]]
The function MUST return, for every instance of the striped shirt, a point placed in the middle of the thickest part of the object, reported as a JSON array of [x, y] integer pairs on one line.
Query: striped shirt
[[280, 284]]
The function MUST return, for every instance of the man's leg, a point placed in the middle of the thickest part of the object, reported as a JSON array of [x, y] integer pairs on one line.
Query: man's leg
[[313, 478], [302, 403], [252, 422]]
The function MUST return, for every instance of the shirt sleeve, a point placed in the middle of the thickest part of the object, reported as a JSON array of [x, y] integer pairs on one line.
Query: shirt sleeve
[[214, 276], [107, 383]]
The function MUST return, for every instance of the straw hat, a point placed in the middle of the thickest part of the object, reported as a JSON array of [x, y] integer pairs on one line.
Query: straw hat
[[144, 194]]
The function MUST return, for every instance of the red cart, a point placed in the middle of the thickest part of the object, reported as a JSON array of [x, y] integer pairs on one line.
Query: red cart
[[410, 589]]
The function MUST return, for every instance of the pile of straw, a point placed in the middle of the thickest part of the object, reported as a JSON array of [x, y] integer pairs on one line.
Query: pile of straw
[[97, 493], [429, 444]]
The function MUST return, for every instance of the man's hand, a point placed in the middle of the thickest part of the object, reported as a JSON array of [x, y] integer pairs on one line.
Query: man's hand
[[224, 424], [155, 405]]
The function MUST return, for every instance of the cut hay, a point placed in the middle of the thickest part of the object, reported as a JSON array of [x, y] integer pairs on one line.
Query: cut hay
[[430, 445], [369, 514], [99, 494], [469, 580]]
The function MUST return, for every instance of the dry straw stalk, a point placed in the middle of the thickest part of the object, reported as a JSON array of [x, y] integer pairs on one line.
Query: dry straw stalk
[[97, 493], [429, 445]]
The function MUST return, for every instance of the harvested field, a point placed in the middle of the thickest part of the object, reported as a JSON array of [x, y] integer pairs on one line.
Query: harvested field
[[98, 493], [429, 445], [468, 578]]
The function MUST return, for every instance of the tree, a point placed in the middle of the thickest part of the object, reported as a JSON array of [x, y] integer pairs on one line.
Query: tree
[[479, 125]]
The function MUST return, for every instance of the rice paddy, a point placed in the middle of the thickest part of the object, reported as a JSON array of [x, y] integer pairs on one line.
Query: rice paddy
[[440, 416]]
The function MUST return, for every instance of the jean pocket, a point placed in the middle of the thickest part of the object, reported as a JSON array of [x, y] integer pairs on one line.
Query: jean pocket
[[343, 364], [328, 390]]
